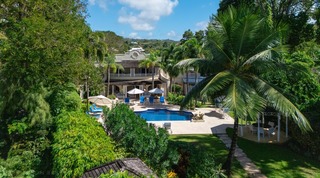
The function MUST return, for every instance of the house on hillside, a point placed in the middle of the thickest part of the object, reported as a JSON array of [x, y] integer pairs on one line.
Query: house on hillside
[[134, 76]]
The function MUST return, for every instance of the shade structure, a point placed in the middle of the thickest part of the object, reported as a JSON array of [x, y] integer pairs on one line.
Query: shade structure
[[135, 91], [156, 91], [100, 100]]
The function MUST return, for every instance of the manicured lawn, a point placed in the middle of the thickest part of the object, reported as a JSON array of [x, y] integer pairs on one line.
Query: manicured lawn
[[278, 161], [212, 144]]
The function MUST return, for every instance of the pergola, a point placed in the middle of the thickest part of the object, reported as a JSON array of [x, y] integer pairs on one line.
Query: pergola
[[279, 124]]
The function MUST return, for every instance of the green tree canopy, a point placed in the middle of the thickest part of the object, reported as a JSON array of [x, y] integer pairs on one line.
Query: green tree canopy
[[242, 47]]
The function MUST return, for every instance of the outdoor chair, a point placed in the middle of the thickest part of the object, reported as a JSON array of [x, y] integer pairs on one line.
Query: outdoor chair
[[253, 129], [142, 99], [167, 126], [271, 124], [261, 131], [127, 100], [96, 108], [272, 131], [92, 110], [151, 99], [161, 99]]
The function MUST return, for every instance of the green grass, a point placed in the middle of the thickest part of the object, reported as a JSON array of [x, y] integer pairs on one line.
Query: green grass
[[211, 144], [278, 161]]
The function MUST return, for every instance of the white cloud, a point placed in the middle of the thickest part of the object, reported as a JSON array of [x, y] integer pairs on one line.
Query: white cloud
[[150, 34], [101, 3], [134, 35], [144, 13], [202, 25], [171, 34]]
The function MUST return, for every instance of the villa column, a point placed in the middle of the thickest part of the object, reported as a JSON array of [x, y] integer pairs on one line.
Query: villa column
[[262, 118], [112, 88], [279, 118], [258, 131], [286, 126]]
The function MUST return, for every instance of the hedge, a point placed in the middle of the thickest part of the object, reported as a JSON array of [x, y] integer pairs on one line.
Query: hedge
[[80, 143], [132, 133]]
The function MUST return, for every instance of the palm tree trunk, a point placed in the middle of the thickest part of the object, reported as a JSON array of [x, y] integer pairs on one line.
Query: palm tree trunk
[[170, 84], [152, 77], [174, 86], [108, 81], [187, 80], [228, 163]]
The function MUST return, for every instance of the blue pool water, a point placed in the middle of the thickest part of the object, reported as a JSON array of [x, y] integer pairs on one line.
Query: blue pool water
[[164, 115]]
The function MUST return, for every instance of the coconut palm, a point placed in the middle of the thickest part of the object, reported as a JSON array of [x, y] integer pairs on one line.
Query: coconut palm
[[151, 62], [110, 63], [168, 63], [241, 48]]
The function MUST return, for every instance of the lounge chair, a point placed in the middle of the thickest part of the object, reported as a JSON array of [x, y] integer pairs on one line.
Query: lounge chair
[[127, 100], [151, 99], [96, 108], [167, 126], [161, 99], [92, 110], [141, 99]]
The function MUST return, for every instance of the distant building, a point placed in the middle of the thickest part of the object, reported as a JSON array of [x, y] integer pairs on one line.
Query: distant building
[[134, 76]]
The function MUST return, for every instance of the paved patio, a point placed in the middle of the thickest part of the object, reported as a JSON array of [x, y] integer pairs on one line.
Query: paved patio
[[215, 121]]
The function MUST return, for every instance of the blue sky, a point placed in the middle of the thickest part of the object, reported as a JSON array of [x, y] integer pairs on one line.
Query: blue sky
[[150, 19]]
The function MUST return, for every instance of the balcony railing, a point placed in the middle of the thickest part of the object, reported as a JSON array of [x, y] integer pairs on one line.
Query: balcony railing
[[132, 75]]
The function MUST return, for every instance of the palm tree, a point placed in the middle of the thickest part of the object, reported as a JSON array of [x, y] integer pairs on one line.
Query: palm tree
[[110, 63], [151, 62], [168, 63], [241, 48]]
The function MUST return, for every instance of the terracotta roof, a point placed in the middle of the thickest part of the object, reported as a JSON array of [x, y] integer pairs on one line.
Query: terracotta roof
[[134, 167]]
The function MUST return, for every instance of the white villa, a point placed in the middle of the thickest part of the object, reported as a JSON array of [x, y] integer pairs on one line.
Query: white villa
[[133, 76]]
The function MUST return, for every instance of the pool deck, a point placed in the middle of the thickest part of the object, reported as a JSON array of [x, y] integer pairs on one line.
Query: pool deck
[[215, 120]]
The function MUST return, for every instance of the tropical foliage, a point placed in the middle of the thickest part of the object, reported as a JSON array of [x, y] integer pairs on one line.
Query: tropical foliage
[[132, 133], [80, 143], [151, 62], [242, 46]]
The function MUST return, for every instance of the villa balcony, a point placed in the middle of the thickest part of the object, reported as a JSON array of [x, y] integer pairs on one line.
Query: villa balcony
[[138, 76]]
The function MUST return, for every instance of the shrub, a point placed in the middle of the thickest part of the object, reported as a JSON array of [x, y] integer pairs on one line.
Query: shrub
[[174, 98], [132, 133], [80, 143], [112, 97], [19, 165], [64, 100], [177, 88]]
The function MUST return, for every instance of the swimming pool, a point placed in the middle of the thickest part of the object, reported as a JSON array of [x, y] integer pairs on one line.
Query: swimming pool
[[164, 115]]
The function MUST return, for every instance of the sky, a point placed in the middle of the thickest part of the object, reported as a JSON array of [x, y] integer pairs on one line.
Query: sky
[[150, 19]]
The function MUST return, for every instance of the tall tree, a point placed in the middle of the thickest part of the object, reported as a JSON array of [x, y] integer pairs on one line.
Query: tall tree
[[110, 62], [242, 47], [151, 62], [44, 50], [168, 63], [186, 36]]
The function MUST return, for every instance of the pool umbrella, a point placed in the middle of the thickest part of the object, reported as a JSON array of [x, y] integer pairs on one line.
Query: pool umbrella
[[135, 91], [100, 100], [156, 91]]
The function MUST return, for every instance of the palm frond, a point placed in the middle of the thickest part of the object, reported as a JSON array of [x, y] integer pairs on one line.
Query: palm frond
[[195, 91], [263, 55], [218, 82], [282, 104], [243, 99]]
